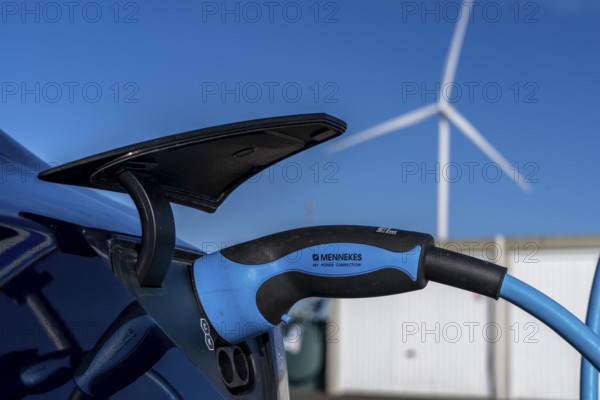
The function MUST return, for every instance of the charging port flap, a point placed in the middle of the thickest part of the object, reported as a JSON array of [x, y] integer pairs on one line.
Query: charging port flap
[[197, 169], [201, 168]]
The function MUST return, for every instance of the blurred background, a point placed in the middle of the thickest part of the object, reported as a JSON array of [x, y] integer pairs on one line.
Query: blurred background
[[83, 77]]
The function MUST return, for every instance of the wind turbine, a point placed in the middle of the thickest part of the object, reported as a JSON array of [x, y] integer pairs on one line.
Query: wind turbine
[[447, 114]]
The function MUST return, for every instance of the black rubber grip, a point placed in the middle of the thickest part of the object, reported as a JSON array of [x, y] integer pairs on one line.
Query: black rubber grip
[[464, 272], [273, 247], [278, 294]]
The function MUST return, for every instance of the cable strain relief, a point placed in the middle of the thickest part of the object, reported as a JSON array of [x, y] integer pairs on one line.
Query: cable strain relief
[[464, 272]]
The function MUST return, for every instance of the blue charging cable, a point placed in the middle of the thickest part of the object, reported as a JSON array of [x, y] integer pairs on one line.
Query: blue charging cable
[[569, 327], [588, 388]]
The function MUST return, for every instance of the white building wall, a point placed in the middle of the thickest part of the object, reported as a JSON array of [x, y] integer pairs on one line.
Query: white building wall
[[414, 343], [543, 365], [408, 344]]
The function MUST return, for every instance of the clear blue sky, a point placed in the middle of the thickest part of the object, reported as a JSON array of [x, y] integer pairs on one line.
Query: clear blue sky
[[180, 66]]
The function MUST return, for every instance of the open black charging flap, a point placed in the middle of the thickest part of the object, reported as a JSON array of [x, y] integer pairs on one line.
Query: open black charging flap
[[198, 169]]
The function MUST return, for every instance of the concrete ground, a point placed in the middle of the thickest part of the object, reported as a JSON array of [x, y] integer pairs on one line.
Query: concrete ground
[[309, 395]]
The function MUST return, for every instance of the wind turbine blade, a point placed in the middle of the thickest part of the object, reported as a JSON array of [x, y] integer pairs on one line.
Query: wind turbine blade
[[477, 138], [443, 194], [454, 52], [402, 121]]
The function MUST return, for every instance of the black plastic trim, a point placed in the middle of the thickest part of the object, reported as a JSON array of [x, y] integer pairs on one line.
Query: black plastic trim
[[158, 227]]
